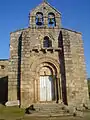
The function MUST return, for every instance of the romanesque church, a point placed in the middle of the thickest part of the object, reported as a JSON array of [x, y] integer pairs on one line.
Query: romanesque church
[[46, 63]]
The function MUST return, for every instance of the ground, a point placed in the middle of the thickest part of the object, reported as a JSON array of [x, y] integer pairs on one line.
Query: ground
[[15, 113]]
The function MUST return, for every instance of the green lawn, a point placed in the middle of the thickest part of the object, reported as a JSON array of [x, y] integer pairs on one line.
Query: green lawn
[[11, 113], [15, 113]]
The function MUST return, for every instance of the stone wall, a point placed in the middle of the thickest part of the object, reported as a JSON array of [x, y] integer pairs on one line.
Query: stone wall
[[33, 54], [76, 82], [25, 50], [3, 81], [44, 8], [13, 73], [28, 55]]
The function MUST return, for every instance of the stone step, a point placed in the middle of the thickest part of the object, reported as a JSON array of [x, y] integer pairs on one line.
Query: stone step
[[48, 106], [49, 109], [49, 114]]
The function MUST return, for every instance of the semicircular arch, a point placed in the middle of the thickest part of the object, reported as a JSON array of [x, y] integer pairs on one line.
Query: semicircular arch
[[43, 61]]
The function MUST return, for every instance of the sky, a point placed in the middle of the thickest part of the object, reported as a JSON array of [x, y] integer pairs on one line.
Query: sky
[[14, 16]]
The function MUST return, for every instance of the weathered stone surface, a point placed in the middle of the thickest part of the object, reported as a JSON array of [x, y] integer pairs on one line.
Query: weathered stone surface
[[63, 60], [13, 103]]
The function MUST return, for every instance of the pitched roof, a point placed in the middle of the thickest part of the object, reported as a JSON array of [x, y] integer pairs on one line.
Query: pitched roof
[[45, 1], [51, 6]]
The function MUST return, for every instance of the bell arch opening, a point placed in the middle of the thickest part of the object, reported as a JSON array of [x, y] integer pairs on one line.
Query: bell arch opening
[[51, 20], [39, 19]]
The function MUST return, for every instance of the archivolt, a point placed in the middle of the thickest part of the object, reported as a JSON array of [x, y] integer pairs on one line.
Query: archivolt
[[45, 61]]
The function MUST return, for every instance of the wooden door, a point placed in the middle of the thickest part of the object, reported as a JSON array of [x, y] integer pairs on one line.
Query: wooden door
[[45, 88]]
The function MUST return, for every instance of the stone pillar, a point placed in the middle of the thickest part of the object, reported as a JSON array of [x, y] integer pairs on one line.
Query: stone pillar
[[46, 22], [59, 90]]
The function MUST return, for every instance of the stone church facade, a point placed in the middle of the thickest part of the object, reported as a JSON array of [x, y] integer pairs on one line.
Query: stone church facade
[[46, 63]]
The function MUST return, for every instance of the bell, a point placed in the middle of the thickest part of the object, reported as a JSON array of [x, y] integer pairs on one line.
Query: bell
[[39, 21], [51, 21]]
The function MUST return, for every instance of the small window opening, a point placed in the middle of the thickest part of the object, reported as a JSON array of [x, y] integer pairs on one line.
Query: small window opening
[[2, 66], [47, 43], [51, 20], [39, 19]]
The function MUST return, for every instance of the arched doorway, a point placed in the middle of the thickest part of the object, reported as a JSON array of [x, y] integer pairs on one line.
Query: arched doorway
[[46, 77], [48, 86], [47, 83]]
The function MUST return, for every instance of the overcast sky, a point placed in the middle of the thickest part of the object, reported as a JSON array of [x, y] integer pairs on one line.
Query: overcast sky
[[14, 15]]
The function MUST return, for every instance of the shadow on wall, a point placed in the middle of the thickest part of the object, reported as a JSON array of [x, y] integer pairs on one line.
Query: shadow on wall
[[88, 81], [3, 90], [19, 68], [62, 69]]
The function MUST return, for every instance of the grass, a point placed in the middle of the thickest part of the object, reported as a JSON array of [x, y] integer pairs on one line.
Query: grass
[[15, 113], [11, 113]]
